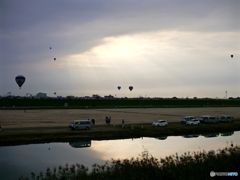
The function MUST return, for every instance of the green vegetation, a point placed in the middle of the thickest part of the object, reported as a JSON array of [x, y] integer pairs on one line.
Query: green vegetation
[[197, 165], [109, 103]]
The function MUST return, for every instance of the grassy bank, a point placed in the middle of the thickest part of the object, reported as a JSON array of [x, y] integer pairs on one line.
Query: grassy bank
[[57, 134], [197, 165]]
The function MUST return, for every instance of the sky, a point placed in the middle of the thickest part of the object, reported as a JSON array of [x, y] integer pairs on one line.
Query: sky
[[163, 48]]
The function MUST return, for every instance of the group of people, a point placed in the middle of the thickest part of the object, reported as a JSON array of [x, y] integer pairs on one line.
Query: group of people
[[108, 120]]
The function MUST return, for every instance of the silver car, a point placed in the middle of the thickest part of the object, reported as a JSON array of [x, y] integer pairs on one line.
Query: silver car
[[80, 124], [208, 119], [226, 118]]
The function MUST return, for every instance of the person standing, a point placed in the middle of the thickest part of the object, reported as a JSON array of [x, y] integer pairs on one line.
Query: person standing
[[106, 120], [109, 120], [123, 122]]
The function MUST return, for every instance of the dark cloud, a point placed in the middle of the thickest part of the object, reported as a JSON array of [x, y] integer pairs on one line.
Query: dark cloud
[[29, 28]]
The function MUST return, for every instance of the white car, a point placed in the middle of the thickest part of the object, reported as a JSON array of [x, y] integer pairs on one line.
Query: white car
[[160, 123], [187, 118], [193, 121]]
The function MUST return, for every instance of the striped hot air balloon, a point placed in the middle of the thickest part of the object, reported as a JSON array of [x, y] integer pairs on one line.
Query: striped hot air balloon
[[20, 80]]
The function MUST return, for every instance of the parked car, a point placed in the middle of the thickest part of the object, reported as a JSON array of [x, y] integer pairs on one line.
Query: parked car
[[160, 123], [226, 118], [208, 119], [193, 122], [80, 124], [187, 118]]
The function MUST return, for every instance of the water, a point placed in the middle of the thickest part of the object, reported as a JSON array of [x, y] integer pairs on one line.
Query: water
[[24, 159]]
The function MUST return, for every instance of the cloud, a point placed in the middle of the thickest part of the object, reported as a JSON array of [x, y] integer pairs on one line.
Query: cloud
[[148, 44]]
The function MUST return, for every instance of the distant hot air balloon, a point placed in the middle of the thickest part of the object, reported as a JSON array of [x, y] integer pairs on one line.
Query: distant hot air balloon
[[55, 59], [50, 47], [131, 88], [119, 87], [55, 93], [231, 56], [20, 80]]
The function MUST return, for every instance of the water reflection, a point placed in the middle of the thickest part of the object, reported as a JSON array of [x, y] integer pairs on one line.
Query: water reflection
[[191, 136], [21, 160], [211, 135], [80, 144], [161, 138], [227, 133]]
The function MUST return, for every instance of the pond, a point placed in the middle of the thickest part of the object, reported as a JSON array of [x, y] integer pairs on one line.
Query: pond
[[24, 159]]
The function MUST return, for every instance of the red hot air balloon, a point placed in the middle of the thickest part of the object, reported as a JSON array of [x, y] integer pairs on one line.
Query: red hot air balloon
[[20, 80], [131, 88], [119, 87]]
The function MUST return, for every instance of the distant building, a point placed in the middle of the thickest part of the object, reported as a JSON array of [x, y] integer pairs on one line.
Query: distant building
[[96, 96], [87, 97], [41, 95], [109, 97], [70, 97]]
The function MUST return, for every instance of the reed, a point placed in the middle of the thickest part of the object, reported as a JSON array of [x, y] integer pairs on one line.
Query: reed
[[196, 165]]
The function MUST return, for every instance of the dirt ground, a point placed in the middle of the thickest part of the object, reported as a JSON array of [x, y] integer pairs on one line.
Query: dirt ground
[[62, 118]]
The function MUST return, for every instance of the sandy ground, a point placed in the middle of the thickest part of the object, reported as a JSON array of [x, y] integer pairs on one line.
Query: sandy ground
[[56, 118]]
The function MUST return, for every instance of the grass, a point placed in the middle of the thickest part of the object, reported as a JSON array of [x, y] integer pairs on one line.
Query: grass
[[196, 165], [98, 132], [110, 103]]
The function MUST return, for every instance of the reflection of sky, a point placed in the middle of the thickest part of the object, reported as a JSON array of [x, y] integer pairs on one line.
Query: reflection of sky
[[160, 148], [24, 159]]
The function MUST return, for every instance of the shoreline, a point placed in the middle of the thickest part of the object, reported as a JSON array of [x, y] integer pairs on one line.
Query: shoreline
[[52, 125], [19, 136]]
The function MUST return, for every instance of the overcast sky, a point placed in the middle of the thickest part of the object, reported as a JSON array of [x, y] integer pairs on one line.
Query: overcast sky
[[162, 48]]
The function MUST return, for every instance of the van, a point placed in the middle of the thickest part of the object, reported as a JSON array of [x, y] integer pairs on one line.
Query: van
[[80, 124], [208, 119], [226, 119], [187, 118]]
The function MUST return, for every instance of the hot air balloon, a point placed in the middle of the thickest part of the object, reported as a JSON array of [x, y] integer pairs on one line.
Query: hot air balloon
[[50, 47], [131, 88], [55, 93], [231, 56], [55, 59], [20, 80], [119, 87]]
